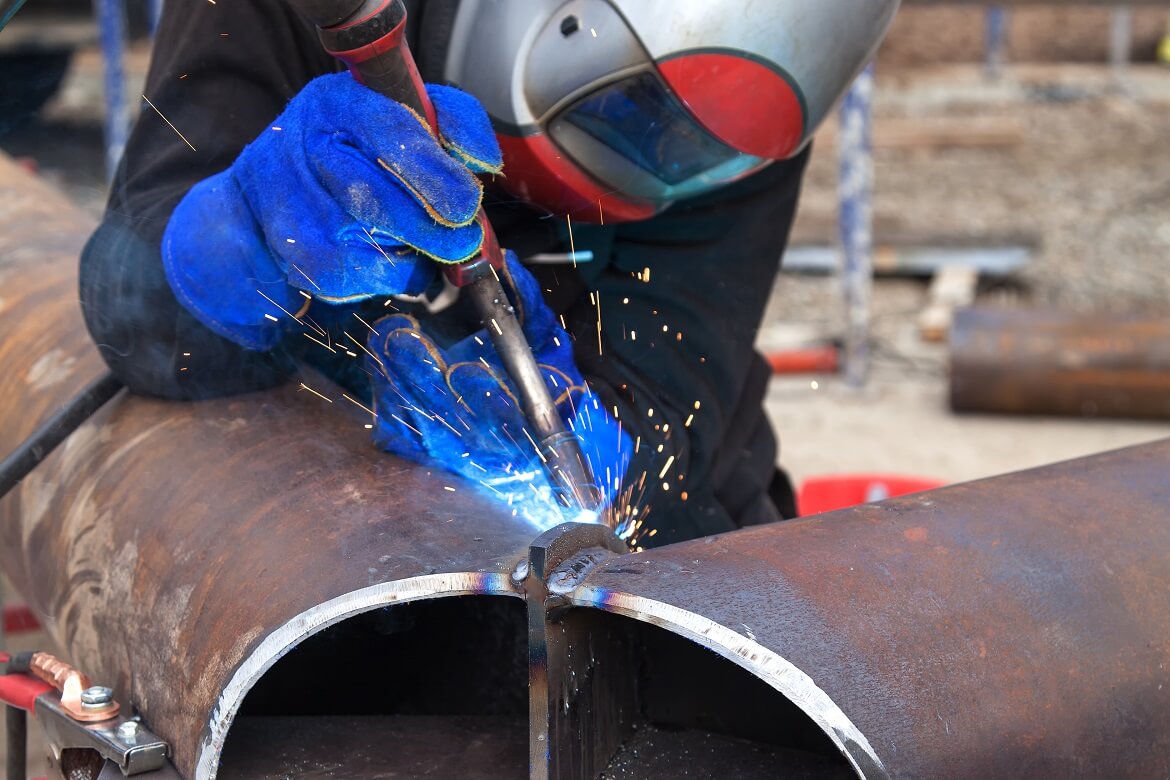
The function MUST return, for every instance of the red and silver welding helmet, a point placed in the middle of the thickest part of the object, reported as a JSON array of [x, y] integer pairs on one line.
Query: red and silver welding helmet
[[615, 108]]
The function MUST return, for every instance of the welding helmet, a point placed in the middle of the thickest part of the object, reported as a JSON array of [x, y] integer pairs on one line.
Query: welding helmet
[[612, 109]]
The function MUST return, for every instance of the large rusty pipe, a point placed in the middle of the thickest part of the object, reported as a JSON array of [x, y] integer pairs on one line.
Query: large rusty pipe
[[1021, 361], [1013, 627]]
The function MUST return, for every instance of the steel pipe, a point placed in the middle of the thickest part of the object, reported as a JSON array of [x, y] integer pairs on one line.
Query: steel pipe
[[1047, 362], [1012, 627]]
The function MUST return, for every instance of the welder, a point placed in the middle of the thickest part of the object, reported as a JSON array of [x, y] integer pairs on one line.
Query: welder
[[641, 162]]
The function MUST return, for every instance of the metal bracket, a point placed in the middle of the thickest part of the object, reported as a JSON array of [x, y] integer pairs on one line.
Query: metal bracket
[[127, 743]]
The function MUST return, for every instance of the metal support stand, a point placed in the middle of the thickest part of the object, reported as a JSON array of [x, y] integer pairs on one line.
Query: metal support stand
[[154, 9], [1121, 41], [995, 33], [855, 222], [16, 731], [111, 19]]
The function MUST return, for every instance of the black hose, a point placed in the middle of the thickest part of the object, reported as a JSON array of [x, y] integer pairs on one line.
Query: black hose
[[44, 439]]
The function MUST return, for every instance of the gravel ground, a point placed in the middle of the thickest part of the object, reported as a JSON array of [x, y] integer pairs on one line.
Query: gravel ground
[[1089, 184]]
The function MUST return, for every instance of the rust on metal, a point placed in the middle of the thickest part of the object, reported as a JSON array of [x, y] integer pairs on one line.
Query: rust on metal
[[1045, 362], [1012, 627], [45, 351], [178, 549]]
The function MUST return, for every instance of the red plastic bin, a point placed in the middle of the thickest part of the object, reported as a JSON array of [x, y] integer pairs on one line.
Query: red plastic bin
[[824, 494]]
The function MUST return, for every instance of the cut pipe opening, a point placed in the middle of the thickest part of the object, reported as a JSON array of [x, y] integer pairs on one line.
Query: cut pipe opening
[[439, 688]]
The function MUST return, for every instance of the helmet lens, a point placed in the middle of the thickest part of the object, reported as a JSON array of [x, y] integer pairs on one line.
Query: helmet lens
[[635, 135]]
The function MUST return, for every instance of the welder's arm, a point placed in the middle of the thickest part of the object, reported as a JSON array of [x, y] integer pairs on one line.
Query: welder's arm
[[678, 358], [219, 73]]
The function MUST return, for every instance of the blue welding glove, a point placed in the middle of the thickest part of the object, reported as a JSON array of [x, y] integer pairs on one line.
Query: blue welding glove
[[345, 196], [457, 409]]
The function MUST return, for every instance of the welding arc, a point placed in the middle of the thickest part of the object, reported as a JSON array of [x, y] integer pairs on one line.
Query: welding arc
[[20, 463]]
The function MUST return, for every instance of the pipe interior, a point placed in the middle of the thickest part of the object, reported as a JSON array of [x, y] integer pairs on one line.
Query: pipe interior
[[439, 688]]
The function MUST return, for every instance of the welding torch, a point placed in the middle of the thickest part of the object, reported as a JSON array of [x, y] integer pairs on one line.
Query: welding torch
[[369, 37]]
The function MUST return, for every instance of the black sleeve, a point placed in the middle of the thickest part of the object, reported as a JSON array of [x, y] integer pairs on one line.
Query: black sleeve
[[219, 74], [679, 306]]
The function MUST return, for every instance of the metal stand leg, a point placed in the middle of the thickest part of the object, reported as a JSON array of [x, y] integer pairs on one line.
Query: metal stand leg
[[994, 35], [16, 728], [855, 191], [111, 18]]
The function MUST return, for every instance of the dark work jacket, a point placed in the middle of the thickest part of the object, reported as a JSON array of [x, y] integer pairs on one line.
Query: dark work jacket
[[675, 357]]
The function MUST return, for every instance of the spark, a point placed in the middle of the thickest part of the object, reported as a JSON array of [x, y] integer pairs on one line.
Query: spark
[[363, 322], [814, 384], [152, 105], [376, 245], [290, 240], [633, 335], [600, 213], [270, 317], [666, 468], [315, 341], [572, 247], [625, 300], [646, 274], [302, 273], [362, 347], [186, 354], [448, 487], [496, 325], [370, 411], [408, 425], [599, 323], [697, 405], [277, 305], [534, 446], [690, 419], [314, 392]]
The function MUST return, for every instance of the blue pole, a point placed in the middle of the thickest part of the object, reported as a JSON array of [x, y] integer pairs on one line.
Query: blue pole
[[111, 18], [995, 31], [154, 11], [855, 222]]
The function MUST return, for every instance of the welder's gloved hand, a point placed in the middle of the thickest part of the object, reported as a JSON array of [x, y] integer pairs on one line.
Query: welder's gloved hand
[[457, 409], [345, 196]]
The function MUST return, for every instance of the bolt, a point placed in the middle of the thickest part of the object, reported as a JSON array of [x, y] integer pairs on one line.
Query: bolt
[[96, 696], [128, 730]]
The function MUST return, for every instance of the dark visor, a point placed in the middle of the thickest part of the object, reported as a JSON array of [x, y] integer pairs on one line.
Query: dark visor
[[639, 121]]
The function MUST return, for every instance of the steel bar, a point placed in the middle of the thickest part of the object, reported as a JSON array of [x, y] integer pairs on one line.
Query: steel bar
[[16, 731], [995, 31], [1047, 362], [111, 19], [1012, 627], [855, 197]]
